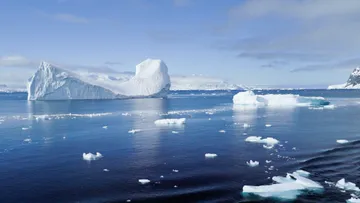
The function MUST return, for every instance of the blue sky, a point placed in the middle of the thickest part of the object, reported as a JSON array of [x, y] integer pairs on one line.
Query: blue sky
[[252, 42]]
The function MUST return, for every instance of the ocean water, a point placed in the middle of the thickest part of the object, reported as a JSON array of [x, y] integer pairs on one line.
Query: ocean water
[[41, 147]]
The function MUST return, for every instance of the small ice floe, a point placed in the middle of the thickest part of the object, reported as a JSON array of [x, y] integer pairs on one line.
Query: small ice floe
[[144, 181], [105, 127], [246, 125], [269, 141], [129, 200], [252, 163], [170, 121], [294, 148], [342, 141], [268, 146], [222, 131], [302, 173], [354, 199], [286, 188], [174, 132], [92, 157], [175, 171], [126, 114], [268, 125], [25, 128], [267, 161], [342, 184], [175, 186], [106, 170], [133, 131], [28, 140], [64, 137], [161, 176], [209, 113], [210, 155]]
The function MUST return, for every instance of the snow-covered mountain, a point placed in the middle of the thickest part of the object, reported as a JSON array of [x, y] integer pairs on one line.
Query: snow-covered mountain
[[52, 83], [352, 83]]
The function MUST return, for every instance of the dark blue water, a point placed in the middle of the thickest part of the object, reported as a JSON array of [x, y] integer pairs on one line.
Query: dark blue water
[[50, 168]]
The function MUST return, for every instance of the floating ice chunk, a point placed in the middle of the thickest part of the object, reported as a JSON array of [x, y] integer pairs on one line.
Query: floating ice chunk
[[354, 199], [175, 171], [302, 173], [222, 131], [24, 128], [105, 127], [288, 187], [106, 170], [342, 141], [268, 146], [210, 155], [28, 140], [252, 163], [129, 200], [144, 181], [126, 114], [133, 131], [268, 161], [161, 176], [170, 121], [246, 125], [271, 168], [174, 132], [267, 125], [175, 186], [92, 157], [209, 113], [342, 184], [268, 141]]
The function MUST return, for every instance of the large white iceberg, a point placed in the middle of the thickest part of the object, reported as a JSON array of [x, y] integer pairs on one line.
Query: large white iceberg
[[250, 99], [52, 83]]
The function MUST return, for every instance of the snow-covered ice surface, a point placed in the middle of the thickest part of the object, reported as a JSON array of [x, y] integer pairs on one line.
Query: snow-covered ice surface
[[92, 157], [171, 121], [286, 188], [342, 184], [353, 81], [53, 83], [250, 99]]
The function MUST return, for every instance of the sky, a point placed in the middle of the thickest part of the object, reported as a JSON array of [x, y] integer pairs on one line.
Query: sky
[[287, 43]]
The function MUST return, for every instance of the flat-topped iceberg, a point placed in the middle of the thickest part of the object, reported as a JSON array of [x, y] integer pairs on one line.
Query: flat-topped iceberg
[[52, 83], [249, 98]]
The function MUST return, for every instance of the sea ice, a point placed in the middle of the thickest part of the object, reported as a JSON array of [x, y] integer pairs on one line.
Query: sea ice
[[302, 173], [105, 127], [287, 188], [269, 141], [24, 128], [133, 131], [175, 171], [268, 146], [106, 170], [252, 163], [92, 157], [222, 131], [342, 184], [342, 141], [268, 161], [267, 125], [246, 125], [28, 140], [210, 155], [174, 132], [170, 121], [144, 181]]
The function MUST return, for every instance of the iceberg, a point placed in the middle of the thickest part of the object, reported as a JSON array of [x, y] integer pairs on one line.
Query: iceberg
[[353, 81], [342, 141], [170, 121], [52, 83], [92, 157], [287, 188], [269, 141], [250, 99], [144, 181]]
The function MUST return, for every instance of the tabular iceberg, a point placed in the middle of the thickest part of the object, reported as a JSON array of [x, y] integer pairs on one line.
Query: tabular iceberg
[[52, 83]]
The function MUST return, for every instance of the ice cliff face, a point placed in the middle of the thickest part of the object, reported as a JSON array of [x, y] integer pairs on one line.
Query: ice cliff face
[[352, 83], [53, 83]]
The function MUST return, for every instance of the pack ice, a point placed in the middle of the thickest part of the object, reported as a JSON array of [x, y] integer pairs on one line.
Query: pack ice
[[250, 99], [288, 187], [52, 83]]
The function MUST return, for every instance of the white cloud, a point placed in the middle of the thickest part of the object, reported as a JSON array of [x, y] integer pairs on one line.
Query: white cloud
[[311, 28], [16, 61], [65, 17]]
